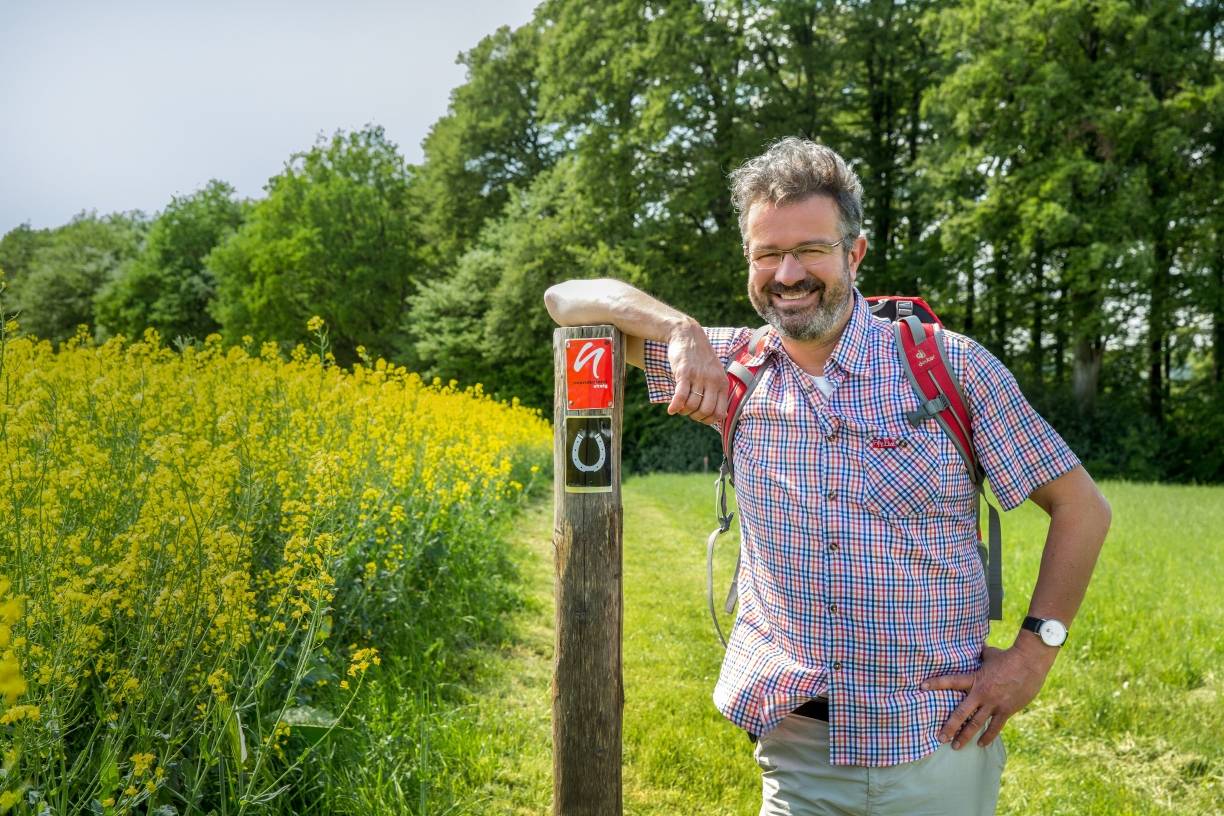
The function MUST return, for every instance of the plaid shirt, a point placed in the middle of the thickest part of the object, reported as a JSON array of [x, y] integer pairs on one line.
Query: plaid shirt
[[860, 574]]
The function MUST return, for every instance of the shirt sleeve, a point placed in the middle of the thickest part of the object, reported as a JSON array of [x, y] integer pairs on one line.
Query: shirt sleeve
[[1016, 447], [660, 385]]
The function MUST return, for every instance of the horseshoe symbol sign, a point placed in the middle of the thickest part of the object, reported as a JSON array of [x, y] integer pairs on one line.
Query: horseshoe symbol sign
[[576, 452], [588, 471]]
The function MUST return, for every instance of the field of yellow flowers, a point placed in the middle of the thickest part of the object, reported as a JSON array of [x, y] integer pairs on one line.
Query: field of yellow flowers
[[220, 568]]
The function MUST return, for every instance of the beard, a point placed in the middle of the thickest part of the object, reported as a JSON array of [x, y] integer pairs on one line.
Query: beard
[[818, 321]]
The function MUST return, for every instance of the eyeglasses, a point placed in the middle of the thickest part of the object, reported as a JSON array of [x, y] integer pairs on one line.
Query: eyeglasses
[[808, 255]]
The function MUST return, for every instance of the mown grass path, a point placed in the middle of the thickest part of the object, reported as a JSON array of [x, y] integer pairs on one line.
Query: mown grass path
[[1129, 722]]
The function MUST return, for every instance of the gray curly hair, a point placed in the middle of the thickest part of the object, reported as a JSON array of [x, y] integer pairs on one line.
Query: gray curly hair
[[793, 169]]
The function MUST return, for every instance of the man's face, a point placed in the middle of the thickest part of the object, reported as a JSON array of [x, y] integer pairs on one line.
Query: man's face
[[802, 303]]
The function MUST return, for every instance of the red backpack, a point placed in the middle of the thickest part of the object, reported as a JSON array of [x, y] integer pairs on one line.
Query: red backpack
[[918, 332]]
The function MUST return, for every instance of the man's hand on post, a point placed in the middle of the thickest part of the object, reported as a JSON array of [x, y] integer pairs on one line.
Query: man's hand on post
[[1007, 681], [701, 381]]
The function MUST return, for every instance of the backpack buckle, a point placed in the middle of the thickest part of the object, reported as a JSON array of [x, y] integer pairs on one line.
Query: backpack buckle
[[720, 498], [928, 409]]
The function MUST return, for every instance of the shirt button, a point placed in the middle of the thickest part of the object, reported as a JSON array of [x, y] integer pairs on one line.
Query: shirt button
[[831, 495], [833, 545], [830, 437], [836, 665], [832, 609]]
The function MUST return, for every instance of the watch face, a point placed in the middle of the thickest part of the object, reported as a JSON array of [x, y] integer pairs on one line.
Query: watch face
[[1052, 632]]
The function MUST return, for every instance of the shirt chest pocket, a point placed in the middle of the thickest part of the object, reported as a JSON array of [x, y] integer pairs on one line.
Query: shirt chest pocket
[[911, 472]]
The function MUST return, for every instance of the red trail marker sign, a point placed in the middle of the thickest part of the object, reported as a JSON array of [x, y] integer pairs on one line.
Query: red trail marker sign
[[588, 373]]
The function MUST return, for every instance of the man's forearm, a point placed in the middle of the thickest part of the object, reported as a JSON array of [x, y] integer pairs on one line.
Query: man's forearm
[[1009, 679], [1072, 546], [637, 314], [701, 382], [1079, 520]]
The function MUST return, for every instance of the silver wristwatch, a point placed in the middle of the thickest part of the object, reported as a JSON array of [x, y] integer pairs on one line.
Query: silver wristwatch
[[1052, 632]]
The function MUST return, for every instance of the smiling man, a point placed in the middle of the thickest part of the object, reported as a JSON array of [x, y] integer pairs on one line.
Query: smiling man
[[858, 662]]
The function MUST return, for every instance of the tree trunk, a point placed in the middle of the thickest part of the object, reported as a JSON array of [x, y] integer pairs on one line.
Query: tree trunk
[[1036, 350], [971, 297], [1088, 350], [881, 178], [916, 219], [1217, 318], [1157, 323], [1168, 366], [1000, 294], [1086, 373], [1060, 337]]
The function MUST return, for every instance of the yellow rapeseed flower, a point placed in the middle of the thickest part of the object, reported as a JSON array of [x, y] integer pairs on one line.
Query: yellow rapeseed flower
[[141, 763], [189, 520], [12, 683], [19, 712]]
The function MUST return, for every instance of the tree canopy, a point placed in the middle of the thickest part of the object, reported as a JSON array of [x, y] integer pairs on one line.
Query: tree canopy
[[334, 238], [1046, 173], [56, 273], [167, 286]]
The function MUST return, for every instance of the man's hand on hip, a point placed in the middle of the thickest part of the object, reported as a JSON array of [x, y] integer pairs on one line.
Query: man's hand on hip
[[1006, 682], [701, 381]]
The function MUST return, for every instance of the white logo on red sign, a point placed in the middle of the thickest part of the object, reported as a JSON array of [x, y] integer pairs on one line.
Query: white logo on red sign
[[589, 353]]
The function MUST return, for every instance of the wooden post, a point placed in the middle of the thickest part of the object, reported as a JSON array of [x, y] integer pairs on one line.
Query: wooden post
[[588, 694]]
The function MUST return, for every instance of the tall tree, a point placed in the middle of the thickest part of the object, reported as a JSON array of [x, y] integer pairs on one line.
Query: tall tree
[[67, 269], [333, 237], [887, 62], [1163, 47], [489, 143], [1040, 98], [18, 248], [483, 322], [167, 286]]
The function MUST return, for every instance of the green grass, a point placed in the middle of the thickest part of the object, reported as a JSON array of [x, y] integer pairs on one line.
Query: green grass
[[1129, 722]]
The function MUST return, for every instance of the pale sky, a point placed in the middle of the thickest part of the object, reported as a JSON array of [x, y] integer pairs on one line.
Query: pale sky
[[119, 105]]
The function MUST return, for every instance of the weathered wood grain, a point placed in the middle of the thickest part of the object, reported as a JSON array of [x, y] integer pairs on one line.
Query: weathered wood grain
[[588, 695]]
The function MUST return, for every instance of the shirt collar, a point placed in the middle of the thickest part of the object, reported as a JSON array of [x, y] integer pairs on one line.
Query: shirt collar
[[848, 354]]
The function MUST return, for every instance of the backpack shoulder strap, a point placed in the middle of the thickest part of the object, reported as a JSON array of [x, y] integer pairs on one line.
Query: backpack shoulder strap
[[925, 362], [742, 380], [920, 346]]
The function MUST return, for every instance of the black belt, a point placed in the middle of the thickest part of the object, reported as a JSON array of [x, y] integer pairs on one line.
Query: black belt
[[815, 709]]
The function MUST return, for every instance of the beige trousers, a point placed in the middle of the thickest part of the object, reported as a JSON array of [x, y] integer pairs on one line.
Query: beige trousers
[[797, 779]]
